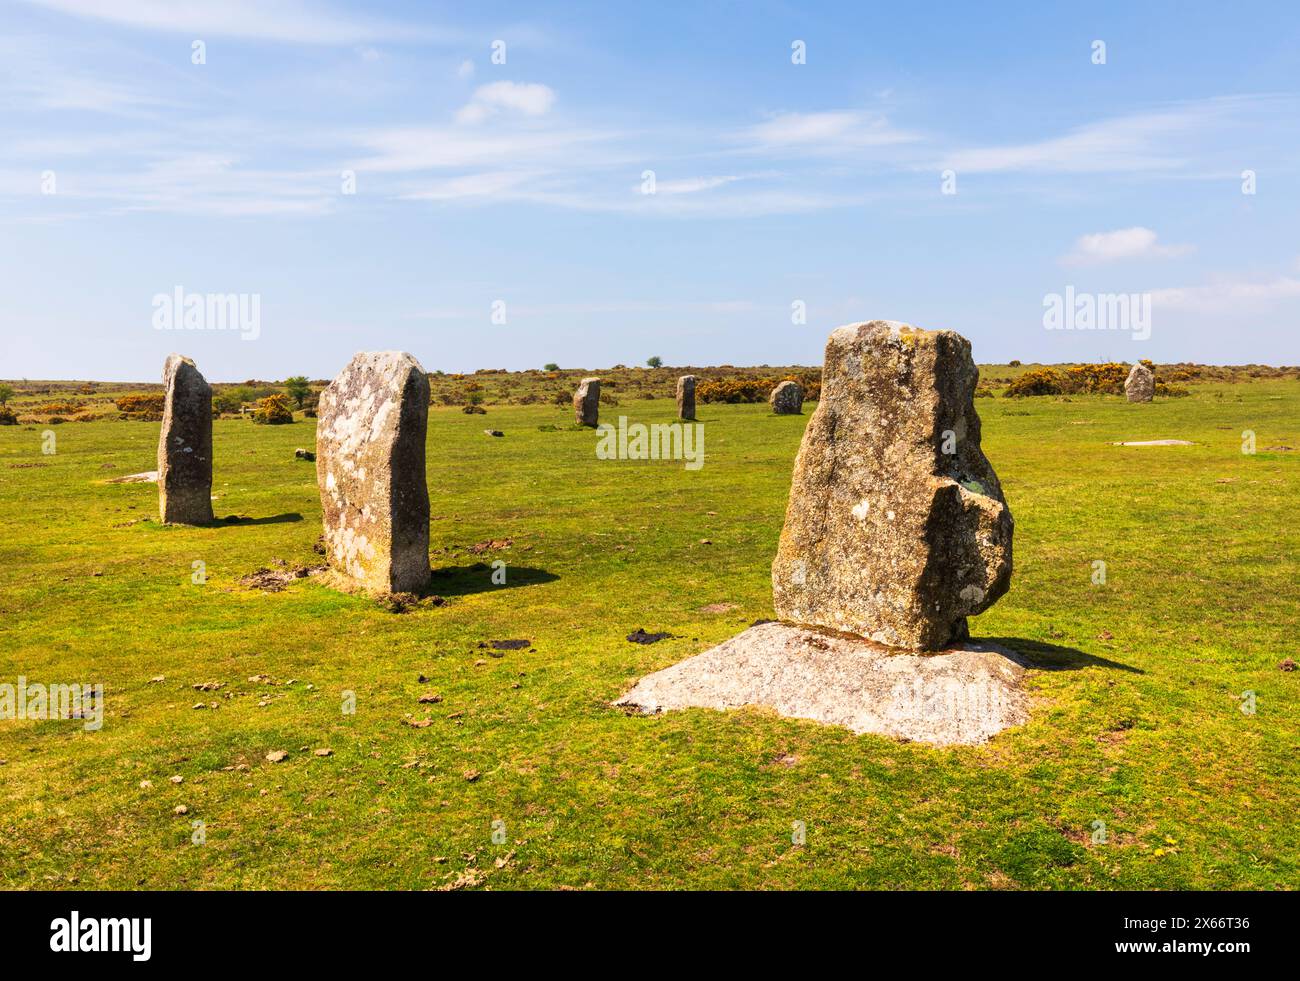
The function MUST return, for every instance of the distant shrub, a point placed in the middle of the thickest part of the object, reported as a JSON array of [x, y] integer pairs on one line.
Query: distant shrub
[[1037, 381], [7, 418], [274, 410], [551, 367], [57, 408], [141, 404], [734, 390], [1106, 379], [1014, 364], [474, 410], [1171, 391]]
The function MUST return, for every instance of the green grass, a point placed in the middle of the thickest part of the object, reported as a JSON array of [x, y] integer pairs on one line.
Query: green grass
[[1142, 730]]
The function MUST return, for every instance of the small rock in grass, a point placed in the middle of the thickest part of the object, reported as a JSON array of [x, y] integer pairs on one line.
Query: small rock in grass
[[471, 775], [1287, 665], [324, 752], [430, 699], [180, 809], [177, 779], [277, 756], [639, 636]]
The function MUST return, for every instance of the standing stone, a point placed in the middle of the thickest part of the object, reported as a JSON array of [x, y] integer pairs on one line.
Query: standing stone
[[370, 441], [586, 402], [787, 399], [686, 397], [896, 529], [185, 445], [1141, 384]]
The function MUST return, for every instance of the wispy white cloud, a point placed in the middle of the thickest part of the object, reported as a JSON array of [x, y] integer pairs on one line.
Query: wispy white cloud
[[1123, 243], [1229, 295], [296, 21], [1165, 139], [525, 98], [826, 131]]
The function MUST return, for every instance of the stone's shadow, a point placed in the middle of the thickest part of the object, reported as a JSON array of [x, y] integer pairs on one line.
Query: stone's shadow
[[477, 578], [1053, 657], [243, 520]]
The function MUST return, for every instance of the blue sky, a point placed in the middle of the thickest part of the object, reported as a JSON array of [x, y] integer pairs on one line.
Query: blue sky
[[521, 185]]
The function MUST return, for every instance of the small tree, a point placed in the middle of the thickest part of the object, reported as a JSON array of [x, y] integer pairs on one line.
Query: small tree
[[6, 393], [655, 362], [551, 367], [298, 388]]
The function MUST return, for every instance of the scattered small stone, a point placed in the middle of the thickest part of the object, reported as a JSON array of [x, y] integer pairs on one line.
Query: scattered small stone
[[418, 723], [493, 432], [422, 680], [180, 809], [146, 784], [307, 455], [177, 779], [209, 686], [277, 756], [1105, 635], [157, 680], [639, 636], [430, 699], [506, 645], [471, 775], [491, 543], [1287, 665], [324, 752]]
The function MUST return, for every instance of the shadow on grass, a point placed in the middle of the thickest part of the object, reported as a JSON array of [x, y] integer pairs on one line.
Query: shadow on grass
[[477, 578], [243, 520], [1053, 657]]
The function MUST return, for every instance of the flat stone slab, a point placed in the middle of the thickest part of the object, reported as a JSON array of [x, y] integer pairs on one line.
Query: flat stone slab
[[147, 477], [960, 696], [1156, 442]]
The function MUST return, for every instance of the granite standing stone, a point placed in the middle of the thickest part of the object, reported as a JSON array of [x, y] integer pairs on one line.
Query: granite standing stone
[[185, 445], [586, 402], [1141, 384], [686, 397], [370, 466], [896, 528], [787, 399]]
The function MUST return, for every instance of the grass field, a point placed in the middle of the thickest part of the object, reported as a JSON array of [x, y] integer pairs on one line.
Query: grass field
[[1137, 719]]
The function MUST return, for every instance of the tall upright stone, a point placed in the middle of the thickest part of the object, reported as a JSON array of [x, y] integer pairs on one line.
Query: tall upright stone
[[686, 397], [1140, 386], [787, 399], [586, 402], [370, 458], [185, 445], [896, 529]]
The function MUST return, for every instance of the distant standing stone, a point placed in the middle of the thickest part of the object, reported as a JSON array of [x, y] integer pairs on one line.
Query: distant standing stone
[[370, 442], [686, 397], [1141, 384], [787, 399], [185, 445], [586, 402], [896, 529]]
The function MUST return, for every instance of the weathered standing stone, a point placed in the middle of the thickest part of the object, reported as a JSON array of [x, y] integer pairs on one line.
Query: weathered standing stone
[[185, 445], [686, 397], [370, 468], [586, 402], [1141, 384], [787, 399], [896, 529]]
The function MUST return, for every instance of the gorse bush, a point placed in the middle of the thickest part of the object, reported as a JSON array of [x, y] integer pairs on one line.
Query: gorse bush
[[274, 410], [140, 404], [737, 390], [1036, 381]]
